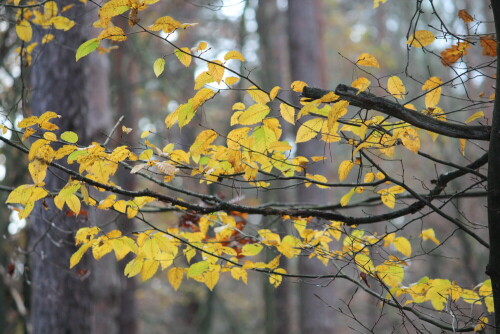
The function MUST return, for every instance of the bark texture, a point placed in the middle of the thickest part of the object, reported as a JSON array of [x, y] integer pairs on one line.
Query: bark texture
[[61, 299], [493, 269], [307, 64]]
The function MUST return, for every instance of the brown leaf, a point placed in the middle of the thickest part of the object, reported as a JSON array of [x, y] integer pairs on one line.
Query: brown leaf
[[466, 17], [454, 53], [489, 45]]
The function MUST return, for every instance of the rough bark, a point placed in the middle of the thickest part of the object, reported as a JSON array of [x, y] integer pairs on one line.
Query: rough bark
[[61, 299], [493, 269], [274, 69], [306, 60]]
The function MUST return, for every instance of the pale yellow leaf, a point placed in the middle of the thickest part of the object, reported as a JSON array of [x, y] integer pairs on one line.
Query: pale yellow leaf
[[421, 38], [309, 130], [366, 59], [288, 113], [396, 87]]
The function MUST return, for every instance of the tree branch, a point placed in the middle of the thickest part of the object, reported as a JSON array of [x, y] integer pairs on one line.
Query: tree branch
[[369, 101]]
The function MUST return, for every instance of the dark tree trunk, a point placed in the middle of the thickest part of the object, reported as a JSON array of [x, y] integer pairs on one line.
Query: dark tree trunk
[[307, 64], [61, 299], [493, 269]]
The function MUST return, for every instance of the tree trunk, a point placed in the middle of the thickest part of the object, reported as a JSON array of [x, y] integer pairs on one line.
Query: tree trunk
[[307, 64], [61, 299], [493, 269]]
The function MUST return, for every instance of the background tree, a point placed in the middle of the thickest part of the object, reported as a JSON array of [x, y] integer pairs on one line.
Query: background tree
[[383, 228]]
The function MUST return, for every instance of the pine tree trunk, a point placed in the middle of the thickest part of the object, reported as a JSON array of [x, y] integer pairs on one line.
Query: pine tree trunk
[[307, 64]]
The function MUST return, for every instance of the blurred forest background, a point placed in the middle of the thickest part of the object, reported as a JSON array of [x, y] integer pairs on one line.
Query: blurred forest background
[[267, 33]]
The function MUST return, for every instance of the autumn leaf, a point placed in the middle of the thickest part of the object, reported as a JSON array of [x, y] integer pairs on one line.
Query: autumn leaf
[[309, 130], [421, 38], [234, 55], [298, 86], [396, 87], [113, 33], [454, 53], [254, 114], [465, 16], [366, 59], [361, 84], [489, 45], [184, 56], [24, 30], [166, 24], [344, 169], [476, 115]]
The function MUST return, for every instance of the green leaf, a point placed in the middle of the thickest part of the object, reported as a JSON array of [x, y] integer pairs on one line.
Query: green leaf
[[197, 269], [69, 136], [87, 48], [159, 66]]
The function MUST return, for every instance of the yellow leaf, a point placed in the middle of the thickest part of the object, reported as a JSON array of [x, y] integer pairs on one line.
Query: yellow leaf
[[289, 246], [276, 279], [202, 142], [402, 245], [134, 267], [166, 24], [388, 199], [364, 263], [309, 130], [175, 276], [431, 83], [216, 70], [184, 56], [258, 95], [475, 116], [396, 87], [298, 86], [234, 55], [470, 296], [366, 59], [288, 113], [347, 197], [390, 273], [77, 256], [201, 46], [211, 277], [149, 268], [429, 234], [197, 269], [481, 325], [410, 139], [146, 154], [421, 38], [24, 30], [254, 114], [344, 169], [251, 249], [361, 84], [369, 177], [239, 273], [274, 92], [337, 110], [62, 23], [462, 143], [376, 3], [47, 38], [231, 80], [159, 66]]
